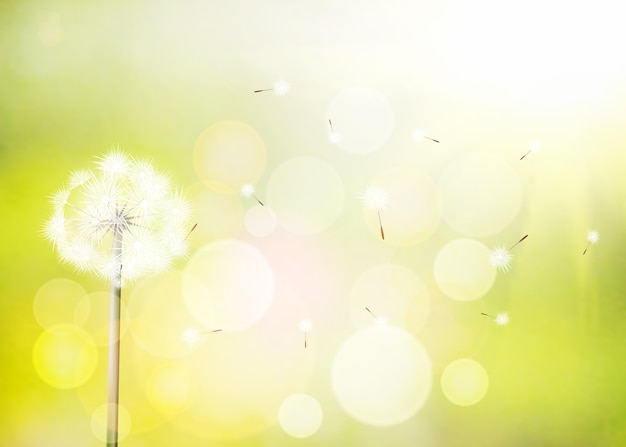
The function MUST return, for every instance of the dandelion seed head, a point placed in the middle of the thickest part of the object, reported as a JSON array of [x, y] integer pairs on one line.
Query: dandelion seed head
[[191, 336], [375, 198], [305, 325], [120, 197], [418, 134], [247, 190], [501, 258], [334, 137], [534, 146], [502, 319], [281, 87], [78, 178], [593, 236]]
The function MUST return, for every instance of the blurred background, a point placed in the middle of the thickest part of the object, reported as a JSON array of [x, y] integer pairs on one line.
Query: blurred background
[[339, 144]]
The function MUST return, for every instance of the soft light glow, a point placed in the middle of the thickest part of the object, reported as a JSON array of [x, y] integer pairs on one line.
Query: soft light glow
[[381, 376], [480, 194], [463, 270], [307, 195], [170, 387], [392, 290], [464, 382], [92, 314], [300, 415], [305, 326], [65, 356], [366, 119], [229, 154]]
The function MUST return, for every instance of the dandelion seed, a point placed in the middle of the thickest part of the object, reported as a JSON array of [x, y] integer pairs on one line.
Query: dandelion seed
[[418, 135], [534, 146], [280, 88], [380, 321], [500, 319], [375, 198], [192, 336], [333, 136], [501, 257], [592, 238], [121, 213], [247, 190], [305, 326]]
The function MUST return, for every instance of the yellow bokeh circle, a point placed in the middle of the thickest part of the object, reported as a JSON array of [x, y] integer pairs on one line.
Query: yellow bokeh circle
[[307, 195], [463, 270], [229, 154], [300, 415], [480, 194], [381, 375], [464, 382], [170, 388], [99, 422], [228, 285], [65, 356]]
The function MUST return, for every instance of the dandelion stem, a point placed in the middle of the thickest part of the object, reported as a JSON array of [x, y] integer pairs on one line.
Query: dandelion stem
[[331, 125], [305, 340], [382, 232], [431, 139], [586, 248], [263, 90], [513, 246], [487, 315], [114, 340], [523, 156]]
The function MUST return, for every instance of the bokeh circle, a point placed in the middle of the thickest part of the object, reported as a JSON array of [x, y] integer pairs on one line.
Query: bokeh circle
[[381, 375], [300, 415], [463, 271], [464, 382]]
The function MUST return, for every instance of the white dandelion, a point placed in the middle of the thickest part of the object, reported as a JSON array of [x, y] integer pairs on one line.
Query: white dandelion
[[418, 135], [534, 146], [592, 238], [375, 198], [247, 190], [280, 88], [305, 326], [119, 220]]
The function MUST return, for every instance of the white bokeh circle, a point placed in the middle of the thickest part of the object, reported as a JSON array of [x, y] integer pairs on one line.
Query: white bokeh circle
[[381, 375], [480, 194], [463, 270]]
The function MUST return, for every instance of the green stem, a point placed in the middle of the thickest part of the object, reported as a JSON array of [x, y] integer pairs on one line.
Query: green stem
[[114, 339]]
